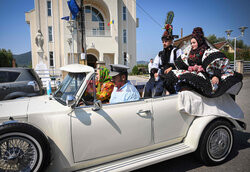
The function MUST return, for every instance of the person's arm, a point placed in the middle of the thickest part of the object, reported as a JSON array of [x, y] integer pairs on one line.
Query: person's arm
[[157, 63], [149, 67]]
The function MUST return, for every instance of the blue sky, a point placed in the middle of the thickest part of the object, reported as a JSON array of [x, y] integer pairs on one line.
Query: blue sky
[[14, 31], [214, 16]]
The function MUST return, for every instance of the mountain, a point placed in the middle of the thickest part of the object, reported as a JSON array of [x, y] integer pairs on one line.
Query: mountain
[[23, 60], [142, 62]]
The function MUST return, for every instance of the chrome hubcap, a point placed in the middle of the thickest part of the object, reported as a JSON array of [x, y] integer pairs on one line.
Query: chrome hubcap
[[17, 154], [219, 143]]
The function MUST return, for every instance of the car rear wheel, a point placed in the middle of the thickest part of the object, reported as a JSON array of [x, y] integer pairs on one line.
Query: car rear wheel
[[23, 148], [215, 143]]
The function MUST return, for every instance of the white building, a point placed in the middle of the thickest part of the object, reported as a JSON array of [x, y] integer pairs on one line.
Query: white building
[[112, 44]]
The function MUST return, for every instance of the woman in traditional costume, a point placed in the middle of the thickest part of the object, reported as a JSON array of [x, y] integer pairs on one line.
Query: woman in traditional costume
[[204, 69]]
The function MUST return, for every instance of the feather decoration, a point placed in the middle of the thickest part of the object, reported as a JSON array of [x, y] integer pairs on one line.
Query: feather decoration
[[170, 17]]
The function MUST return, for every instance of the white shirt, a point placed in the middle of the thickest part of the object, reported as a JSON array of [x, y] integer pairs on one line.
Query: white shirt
[[126, 93], [150, 66], [158, 62]]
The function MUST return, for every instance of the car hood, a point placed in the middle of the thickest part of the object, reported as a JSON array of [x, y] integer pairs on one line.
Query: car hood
[[20, 108], [45, 105], [14, 108]]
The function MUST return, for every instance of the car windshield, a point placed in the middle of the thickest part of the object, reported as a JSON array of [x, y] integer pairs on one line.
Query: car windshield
[[69, 86]]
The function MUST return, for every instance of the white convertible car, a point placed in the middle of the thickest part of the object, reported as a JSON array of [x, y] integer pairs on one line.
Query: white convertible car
[[72, 131]]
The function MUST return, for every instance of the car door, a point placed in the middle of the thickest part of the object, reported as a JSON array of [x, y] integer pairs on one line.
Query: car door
[[4, 90], [115, 128], [169, 124], [4, 84]]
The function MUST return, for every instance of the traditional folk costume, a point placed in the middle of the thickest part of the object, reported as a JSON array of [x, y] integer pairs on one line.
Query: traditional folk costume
[[104, 85], [196, 69], [164, 60]]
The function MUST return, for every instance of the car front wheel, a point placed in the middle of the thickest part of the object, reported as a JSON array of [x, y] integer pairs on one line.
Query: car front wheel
[[23, 148], [215, 143]]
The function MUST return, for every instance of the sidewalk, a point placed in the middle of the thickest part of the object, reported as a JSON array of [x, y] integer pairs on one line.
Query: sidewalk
[[138, 79]]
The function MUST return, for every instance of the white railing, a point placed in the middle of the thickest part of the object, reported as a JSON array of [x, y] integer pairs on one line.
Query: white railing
[[98, 33], [246, 67], [53, 75], [97, 29], [232, 65]]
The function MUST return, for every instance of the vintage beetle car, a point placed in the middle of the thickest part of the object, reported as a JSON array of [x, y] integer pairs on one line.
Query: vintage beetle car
[[72, 131]]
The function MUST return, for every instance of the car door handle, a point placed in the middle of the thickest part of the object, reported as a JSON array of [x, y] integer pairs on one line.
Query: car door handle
[[5, 88], [144, 113]]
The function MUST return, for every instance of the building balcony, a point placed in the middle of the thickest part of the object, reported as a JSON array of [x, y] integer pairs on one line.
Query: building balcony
[[98, 33]]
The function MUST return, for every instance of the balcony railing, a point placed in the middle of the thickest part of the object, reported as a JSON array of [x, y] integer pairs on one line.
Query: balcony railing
[[98, 33], [97, 29]]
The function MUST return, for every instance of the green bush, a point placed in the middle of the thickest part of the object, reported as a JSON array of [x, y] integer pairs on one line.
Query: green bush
[[230, 56], [6, 58], [243, 55], [135, 70]]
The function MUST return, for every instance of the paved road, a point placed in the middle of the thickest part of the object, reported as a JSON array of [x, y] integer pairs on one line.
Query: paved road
[[239, 160]]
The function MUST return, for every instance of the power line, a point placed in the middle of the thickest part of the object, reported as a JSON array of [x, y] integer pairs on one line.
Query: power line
[[148, 14]]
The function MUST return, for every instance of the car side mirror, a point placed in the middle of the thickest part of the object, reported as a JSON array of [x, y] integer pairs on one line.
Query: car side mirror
[[97, 105], [70, 100]]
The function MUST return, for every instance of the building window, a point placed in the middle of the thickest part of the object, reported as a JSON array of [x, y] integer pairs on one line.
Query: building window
[[50, 34], [124, 36], [49, 7], [96, 16], [51, 59], [87, 9], [125, 58], [124, 13]]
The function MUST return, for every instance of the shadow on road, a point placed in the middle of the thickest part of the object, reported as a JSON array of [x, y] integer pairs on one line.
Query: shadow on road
[[242, 140], [189, 162]]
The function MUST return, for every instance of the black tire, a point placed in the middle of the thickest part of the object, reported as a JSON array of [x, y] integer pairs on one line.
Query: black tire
[[23, 148], [216, 143]]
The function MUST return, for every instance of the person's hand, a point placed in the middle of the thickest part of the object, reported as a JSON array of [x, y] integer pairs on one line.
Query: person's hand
[[168, 70], [215, 80]]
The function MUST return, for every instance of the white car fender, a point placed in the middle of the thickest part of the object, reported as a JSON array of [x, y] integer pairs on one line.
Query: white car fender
[[195, 130], [197, 127]]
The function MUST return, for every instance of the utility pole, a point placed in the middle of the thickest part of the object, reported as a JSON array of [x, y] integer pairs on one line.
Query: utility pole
[[83, 39]]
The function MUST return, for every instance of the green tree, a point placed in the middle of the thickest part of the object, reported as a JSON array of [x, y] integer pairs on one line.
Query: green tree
[[243, 55], [239, 44], [135, 70], [221, 39], [6, 58], [230, 56], [212, 39]]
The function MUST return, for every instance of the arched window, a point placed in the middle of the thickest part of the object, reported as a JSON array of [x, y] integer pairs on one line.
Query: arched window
[[96, 16]]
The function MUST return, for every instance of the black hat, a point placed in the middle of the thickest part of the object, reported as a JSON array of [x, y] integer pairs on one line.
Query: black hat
[[117, 69]]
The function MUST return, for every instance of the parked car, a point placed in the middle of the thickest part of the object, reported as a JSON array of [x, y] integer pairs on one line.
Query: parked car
[[68, 133], [19, 82]]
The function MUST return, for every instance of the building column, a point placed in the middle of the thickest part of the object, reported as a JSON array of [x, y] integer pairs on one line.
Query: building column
[[101, 57], [116, 59], [240, 66]]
